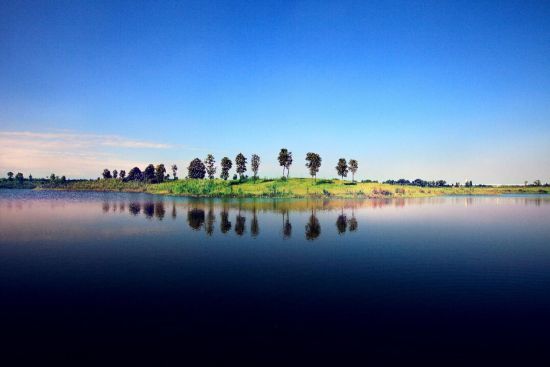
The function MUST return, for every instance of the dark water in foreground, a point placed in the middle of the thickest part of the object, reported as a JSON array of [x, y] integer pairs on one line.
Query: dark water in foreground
[[119, 277]]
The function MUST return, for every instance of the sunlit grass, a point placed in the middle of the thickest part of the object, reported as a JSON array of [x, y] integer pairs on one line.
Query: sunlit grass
[[293, 187]]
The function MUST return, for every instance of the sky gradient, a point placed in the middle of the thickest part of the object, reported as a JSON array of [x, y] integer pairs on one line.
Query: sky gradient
[[432, 89]]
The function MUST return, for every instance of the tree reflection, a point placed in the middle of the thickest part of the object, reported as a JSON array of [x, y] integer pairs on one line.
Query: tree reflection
[[254, 225], [195, 218], [225, 224], [240, 224], [313, 228], [174, 213], [149, 209], [134, 208], [352, 222], [210, 219], [341, 223], [287, 226], [105, 207], [159, 210]]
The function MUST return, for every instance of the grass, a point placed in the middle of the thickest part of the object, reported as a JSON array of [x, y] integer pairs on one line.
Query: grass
[[291, 188]]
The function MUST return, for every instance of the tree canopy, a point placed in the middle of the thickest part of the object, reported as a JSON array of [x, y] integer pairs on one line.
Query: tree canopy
[[313, 163], [342, 168], [210, 164], [160, 172], [196, 169], [226, 166], [149, 173], [353, 166], [255, 164], [240, 163], [285, 160]]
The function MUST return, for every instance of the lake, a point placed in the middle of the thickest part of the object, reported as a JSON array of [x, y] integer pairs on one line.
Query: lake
[[105, 277]]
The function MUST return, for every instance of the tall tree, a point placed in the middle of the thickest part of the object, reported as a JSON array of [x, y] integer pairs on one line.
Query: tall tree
[[313, 163], [240, 163], [353, 166], [135, 174], [149, 173], [19, 177], [255, 164], [122, 174], [53, 177], [160, 171], [285, 160], [106, 174], [196, 169], [210, 164], [342, 168], [174, 171], [226, 166], [115, 173], [10, 175]]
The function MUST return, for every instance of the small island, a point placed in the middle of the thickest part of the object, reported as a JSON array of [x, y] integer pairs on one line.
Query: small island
[[201, 181]]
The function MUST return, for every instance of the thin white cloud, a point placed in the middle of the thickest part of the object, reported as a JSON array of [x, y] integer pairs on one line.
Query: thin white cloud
[[72, 154], [81, 140]]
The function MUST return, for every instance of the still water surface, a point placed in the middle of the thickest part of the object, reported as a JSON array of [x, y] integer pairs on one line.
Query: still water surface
[[86, 275]]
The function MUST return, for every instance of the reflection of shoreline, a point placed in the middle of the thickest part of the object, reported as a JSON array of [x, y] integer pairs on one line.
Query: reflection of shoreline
[[201, 214]]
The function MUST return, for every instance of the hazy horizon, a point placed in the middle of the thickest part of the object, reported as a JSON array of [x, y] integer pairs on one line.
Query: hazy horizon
[[430, 90]]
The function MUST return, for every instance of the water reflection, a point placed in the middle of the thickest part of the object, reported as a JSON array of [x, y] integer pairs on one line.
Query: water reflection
[[203, 213], [195, 218], [313, 227], [341, 223], [239, 224], [225, 224], [287, 226], [149, 209], [134, 207], [254, 225], [210, 219]]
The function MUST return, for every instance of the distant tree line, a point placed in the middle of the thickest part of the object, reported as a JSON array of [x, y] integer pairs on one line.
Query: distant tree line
[[423, 183]]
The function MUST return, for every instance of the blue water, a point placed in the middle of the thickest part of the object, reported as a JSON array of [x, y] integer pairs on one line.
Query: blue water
[[108, 277]]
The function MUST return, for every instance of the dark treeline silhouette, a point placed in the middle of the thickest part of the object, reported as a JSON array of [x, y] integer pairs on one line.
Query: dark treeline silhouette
[[151, 174], [420, 182]]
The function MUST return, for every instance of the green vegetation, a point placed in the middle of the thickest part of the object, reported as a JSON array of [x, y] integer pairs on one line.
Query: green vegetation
[[288, 188], [154, 180]]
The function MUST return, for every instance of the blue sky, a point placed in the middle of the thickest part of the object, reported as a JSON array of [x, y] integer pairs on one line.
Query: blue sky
[[432, 89]]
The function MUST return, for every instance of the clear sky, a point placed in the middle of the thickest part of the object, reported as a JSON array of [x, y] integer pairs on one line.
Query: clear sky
[[432, 89]]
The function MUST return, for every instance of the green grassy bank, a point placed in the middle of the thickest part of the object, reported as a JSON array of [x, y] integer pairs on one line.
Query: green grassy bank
[[293, 187]]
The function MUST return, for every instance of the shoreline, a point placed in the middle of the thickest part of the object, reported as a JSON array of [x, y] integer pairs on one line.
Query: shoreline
[[298, 188]]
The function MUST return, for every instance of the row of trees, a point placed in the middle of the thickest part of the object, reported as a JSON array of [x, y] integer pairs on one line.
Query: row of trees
[[19, 177], [151, 173], [199, 169], [423, 183]]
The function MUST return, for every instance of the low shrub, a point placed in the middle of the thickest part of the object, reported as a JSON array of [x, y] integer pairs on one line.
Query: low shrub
[[323, 182]]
